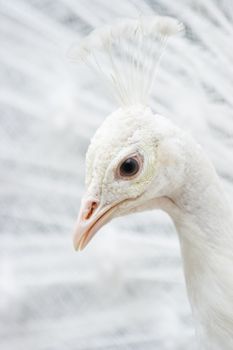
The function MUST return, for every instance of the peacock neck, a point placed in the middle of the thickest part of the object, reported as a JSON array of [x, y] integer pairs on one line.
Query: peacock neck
[[204, 221]]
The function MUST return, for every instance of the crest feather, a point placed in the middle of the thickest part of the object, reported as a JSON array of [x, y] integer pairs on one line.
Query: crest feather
[[127, 54]]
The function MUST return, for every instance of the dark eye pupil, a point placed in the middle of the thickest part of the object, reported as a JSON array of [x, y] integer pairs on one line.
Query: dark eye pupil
[[129, 167]]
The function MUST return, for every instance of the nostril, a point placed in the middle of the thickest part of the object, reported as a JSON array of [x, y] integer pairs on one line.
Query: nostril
[[91, 207]]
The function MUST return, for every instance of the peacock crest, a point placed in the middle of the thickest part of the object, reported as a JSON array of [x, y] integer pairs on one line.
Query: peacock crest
[[127, 54]]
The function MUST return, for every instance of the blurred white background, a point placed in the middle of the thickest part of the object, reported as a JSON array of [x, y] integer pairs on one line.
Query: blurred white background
[[126, 290]]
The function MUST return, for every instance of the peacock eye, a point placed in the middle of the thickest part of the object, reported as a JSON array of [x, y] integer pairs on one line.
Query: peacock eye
[[129, 167]]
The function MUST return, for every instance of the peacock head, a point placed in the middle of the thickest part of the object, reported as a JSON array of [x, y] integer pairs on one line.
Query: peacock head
[[134, 163], [133, 157]]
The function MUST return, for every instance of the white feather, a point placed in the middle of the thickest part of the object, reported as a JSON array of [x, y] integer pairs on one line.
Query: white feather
[[127, 54]]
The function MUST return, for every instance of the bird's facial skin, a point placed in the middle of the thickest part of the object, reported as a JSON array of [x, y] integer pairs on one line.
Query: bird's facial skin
[[123, 170]]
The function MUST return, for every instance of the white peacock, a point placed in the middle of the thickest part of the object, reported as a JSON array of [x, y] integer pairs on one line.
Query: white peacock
[[139, 160]]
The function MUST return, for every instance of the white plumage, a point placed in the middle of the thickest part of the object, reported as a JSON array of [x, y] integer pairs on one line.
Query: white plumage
[[140, 161], [126, 291], [127, 54]]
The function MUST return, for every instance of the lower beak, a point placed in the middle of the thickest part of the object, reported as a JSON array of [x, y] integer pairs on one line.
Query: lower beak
[[89, 222]]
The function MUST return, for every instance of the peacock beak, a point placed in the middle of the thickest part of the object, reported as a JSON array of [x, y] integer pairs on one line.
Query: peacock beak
[[92, 217]]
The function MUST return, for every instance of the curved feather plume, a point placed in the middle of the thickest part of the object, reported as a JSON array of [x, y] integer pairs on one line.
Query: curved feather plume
[[127, 54]]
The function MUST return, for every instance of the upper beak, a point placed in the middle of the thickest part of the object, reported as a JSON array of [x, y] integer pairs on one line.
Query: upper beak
[[92, 217]]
